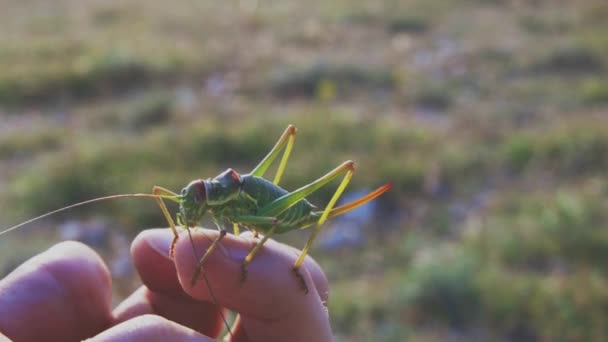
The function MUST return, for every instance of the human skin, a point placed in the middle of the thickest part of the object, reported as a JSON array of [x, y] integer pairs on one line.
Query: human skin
[[65, 294]]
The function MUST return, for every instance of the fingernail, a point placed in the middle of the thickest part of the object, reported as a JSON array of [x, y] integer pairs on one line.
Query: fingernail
[[161, 243]]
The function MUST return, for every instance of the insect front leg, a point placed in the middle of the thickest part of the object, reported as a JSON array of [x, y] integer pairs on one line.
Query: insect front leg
[[214, 244], [157, 190], [199, 266]]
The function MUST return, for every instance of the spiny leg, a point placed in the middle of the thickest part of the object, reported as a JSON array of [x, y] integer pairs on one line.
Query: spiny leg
[[181, 224], [253, 252], [283, 203], [199, 266], [157, 190], [286, 140], [198, 269], [201, 261], [318, 227]]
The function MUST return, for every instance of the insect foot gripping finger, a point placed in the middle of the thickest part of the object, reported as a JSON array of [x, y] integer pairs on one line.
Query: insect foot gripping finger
[[243, 272], [274, 221], [197, 272], [199, 265], [296, 271], [172, 248]]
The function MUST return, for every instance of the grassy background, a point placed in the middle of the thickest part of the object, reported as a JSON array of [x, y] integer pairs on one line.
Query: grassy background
[[490, 116]]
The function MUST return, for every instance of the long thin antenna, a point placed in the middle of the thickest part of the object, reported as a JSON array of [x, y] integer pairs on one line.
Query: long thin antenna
[[83, 203]]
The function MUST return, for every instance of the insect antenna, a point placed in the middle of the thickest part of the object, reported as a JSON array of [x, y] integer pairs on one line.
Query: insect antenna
[[99, 199]]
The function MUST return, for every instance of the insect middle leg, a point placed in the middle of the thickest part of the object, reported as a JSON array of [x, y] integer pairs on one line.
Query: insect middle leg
[[214, 244], [256, 221], [199, 265]]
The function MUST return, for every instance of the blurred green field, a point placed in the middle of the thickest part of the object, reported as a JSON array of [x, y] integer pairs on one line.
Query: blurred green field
[[490, 117]]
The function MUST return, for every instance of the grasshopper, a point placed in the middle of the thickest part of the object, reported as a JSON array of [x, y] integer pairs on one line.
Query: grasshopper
[[252, 202]]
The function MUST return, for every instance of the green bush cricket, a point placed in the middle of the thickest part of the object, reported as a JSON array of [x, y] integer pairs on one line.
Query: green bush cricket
[[251, 202]]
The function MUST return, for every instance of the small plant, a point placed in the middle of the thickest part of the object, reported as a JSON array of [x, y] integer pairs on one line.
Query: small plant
[[344, 78], [408, 24], [595, 92], [570, 60]]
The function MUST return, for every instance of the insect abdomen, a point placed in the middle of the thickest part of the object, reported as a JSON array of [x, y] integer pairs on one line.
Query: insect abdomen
[[265, 192]]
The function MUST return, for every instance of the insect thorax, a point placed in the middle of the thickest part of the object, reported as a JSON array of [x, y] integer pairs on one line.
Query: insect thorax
[[255, 194]]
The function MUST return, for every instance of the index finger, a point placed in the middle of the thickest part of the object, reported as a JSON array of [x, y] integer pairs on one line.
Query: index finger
[[271, 303]]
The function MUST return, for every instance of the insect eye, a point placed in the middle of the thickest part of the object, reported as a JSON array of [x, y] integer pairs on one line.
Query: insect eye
[[183, 191]]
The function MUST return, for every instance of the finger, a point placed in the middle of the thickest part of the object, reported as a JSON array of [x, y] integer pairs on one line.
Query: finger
[[65, 292], [150, 328], [188, 312], [318, 276], [271, 303], [162, 294]]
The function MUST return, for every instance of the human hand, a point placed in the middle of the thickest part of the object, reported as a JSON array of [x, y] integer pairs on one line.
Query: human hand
[[65, 294]]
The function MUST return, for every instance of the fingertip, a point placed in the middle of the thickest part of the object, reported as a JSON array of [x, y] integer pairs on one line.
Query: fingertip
[[67, 255], [158, 239], [163, 294], [319, 278], [82, 271], [150, 252]]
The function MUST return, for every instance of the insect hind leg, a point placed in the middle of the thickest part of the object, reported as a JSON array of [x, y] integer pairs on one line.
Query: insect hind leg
[[349, 168], [285, 202], [286, 141]]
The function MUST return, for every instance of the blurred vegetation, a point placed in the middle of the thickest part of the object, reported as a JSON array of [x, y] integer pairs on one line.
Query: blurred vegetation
[[490, 117]]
